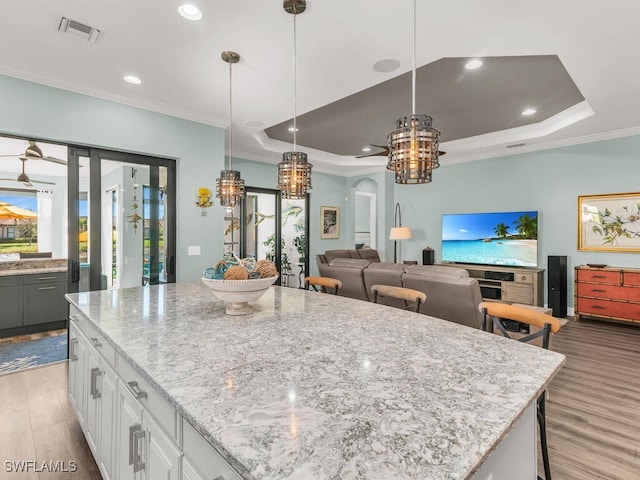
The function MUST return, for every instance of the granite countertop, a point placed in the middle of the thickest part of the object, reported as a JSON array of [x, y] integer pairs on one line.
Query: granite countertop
[[324, 387], [33, 266]]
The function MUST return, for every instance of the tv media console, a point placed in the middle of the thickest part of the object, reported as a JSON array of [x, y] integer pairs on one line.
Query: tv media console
[[507, 284]]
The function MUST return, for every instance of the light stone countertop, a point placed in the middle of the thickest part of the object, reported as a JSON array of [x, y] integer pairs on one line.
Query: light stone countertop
[[35, 266], [316, 386]]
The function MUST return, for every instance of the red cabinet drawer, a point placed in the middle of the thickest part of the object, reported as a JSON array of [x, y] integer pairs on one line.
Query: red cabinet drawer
[[600, 276], [606, 308], [609, 291], [631, 278]]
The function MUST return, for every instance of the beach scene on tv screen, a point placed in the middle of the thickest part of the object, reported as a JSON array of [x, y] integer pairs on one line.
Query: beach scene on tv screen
[[497, 238]]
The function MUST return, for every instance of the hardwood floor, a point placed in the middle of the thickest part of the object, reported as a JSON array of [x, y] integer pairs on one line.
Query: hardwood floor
[[593, 411], [38, 424]]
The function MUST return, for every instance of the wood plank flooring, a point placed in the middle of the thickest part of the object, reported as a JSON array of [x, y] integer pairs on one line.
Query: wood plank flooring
[[593, 408], [38, 424], [593, 411]]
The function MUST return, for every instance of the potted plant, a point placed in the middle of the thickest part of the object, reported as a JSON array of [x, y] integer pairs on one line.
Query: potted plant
[[301, 245]]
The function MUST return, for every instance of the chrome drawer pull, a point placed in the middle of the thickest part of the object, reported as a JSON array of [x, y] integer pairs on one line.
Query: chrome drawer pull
[[135, 389], [72, 350], [138, 464], [95, 373], [132, 430], [220, 477], [96, 343], [46, 278], [47, 288]]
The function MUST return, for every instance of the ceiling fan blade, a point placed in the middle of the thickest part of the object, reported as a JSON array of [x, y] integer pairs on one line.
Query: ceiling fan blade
[[379, 154], [41, 181], [9, 155], [55, 160]]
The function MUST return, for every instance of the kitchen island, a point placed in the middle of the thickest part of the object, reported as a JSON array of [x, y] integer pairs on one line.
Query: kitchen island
[[313, 386]]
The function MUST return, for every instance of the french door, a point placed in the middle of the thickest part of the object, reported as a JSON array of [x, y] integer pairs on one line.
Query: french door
[[122, 229], [266, 226]]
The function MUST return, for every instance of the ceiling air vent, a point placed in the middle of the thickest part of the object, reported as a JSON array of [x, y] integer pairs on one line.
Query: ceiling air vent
[[78, 29]]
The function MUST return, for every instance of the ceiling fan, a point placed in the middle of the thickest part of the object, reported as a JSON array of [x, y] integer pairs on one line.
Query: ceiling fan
[[33, 151], [24, 178], [384, 152]]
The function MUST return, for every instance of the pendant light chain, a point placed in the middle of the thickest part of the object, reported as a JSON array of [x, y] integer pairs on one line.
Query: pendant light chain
[[230, 114], [413, 64], [295, 83]]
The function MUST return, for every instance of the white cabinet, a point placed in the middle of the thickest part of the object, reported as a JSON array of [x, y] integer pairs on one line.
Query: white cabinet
[[145, 452], [77, 372], [108, 386]]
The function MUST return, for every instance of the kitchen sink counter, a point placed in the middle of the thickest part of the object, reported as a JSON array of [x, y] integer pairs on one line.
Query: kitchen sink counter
[[33, 266], [317, 386]]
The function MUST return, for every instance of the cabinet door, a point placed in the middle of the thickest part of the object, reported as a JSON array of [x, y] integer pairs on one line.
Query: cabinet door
[[162, 458], [189, 472], [128, 423], [108, 399], [11, 301], [74, 365], [81, 383], [44, 303]]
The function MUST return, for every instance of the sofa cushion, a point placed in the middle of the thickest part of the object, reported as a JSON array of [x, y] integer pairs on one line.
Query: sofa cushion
[[437, 271], [369, 254], [449, 298], [331, 254], [349, 263], [383, 273]]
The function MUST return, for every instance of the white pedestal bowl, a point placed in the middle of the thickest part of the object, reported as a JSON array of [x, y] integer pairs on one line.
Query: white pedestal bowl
[[239, 292]]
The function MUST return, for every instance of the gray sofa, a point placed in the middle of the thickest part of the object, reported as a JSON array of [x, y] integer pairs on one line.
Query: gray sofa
[[451, 294]]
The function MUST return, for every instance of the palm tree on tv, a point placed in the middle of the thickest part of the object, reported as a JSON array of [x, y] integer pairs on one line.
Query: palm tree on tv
[[501, 230], [527, 226]]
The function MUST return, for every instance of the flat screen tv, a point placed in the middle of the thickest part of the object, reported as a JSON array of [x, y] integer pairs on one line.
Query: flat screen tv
[[498, 238]]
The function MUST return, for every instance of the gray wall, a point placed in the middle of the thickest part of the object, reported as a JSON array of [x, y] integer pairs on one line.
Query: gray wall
[[33, 110]]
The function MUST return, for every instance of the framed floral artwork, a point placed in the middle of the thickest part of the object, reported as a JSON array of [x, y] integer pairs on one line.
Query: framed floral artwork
[[609, 223], [329, 222]]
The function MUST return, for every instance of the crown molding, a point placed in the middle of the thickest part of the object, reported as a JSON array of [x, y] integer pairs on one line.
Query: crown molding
[[157, 107]]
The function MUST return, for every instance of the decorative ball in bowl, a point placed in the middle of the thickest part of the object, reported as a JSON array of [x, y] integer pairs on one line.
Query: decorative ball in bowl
[[239, 292]]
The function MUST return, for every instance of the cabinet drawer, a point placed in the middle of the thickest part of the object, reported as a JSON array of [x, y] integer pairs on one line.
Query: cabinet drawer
[[600, 276], [609, 292], [204, 457], [631, 278], [606, 308], [11, 280], [97, 341], [524, 277], [45, 278], [158, 406], [517, 292], [44, 303]]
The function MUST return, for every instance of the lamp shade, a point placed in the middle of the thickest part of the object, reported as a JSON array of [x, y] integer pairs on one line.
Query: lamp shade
[[400, 233]]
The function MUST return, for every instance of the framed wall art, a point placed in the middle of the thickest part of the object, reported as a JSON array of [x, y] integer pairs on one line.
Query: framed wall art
[[329, 222], [609, 223]]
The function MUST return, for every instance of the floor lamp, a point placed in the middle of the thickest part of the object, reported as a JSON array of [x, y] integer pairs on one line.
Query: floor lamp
[[398, 232]]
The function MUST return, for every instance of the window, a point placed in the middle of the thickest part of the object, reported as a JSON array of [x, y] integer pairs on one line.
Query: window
[[18, 221]]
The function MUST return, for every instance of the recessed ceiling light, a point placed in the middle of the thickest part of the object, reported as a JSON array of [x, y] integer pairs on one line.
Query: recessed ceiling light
[[473, 64], [190, 12], [253, 123], [132, 79], [386, 65], [366, 149], [291, 129], [529, 111]]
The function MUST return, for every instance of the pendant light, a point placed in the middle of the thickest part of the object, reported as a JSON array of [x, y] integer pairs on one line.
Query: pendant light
[[230, 187], [294, 171], [413, 146]]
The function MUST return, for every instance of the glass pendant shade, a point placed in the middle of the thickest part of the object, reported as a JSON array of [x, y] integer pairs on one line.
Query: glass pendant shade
[[229, 188], [413, 149], [294, 175]]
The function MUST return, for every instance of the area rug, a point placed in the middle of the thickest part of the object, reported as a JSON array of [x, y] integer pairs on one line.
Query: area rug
[[31, 353]]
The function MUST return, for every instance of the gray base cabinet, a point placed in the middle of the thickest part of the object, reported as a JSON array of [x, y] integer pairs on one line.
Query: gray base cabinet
[[28, 300]]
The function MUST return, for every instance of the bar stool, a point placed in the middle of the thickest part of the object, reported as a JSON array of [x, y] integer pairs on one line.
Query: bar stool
[[546, 325], [406, 294], [323, 283]]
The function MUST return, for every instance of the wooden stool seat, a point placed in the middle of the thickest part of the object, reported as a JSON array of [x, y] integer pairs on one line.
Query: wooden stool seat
[[406, 294], [323, 283]]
